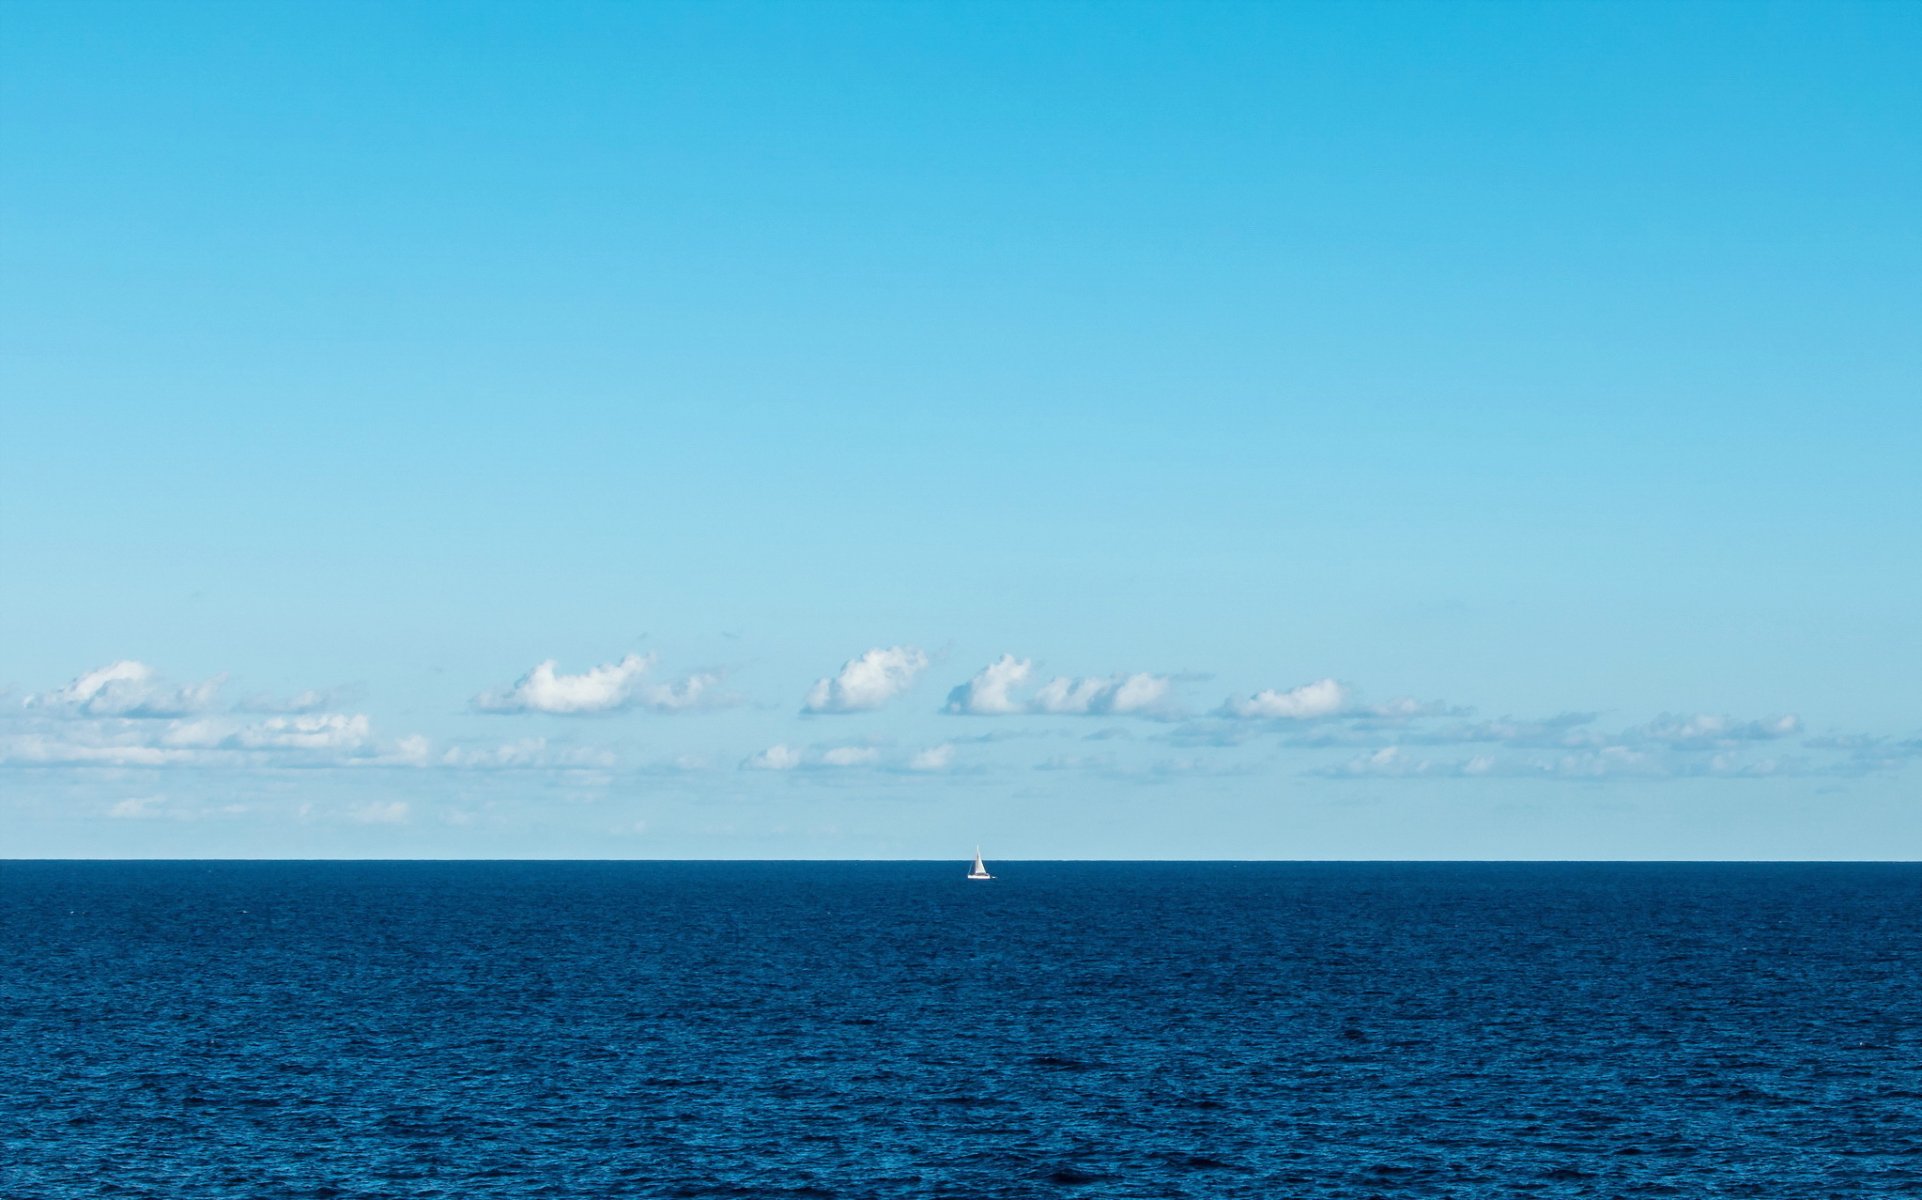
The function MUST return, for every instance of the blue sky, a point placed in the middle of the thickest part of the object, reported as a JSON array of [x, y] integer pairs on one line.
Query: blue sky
[[1381, 431]]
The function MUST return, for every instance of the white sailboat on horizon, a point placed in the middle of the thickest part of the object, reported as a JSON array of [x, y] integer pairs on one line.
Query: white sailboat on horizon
[[980, 868]]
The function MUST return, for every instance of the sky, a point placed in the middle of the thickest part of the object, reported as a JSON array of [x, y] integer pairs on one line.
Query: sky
[[812, 430]]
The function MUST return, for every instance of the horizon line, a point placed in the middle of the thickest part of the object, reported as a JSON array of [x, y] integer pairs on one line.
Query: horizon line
[[1018, 861]]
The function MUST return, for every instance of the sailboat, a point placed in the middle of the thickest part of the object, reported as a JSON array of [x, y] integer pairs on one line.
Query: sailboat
[[980, 869]]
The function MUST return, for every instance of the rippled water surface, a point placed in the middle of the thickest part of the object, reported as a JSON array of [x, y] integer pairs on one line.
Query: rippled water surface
[[214, 1030]]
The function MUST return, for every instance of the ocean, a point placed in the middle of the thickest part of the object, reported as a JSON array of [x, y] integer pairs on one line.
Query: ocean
[[1324, 1031]]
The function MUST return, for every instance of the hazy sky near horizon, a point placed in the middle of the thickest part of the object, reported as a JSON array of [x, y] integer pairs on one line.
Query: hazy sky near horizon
[[816, 430]]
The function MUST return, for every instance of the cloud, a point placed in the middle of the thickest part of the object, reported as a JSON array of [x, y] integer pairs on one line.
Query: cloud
[[868, 682], [778, 757], [1407, 708], [526, 754], [850, 756], [991, 693], [1326, 698], [1618, 761], [138, 807], [391, 812], [125, 689], [1566, 746], [1393, 762], [933, 758], [408, 751], [315, 740], [609, 687], [1854, 742], [123, 716], [43, 749], [1078, 762], [1708, 729], [1115, 695], [1866, 753], [1132, 770], [1603, 762], [314, 731], [1364, 727], [1322, 698], [988, 694], [929, 760], [679, 764], [310, 701], [1561, 730], [783, 756], [1878, 747], [147, 808]]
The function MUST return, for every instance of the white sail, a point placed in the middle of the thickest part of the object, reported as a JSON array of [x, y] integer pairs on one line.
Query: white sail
[[980, 868]]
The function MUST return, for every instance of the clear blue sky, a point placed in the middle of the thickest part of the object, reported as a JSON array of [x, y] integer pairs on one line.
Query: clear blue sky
[[1554, 367]]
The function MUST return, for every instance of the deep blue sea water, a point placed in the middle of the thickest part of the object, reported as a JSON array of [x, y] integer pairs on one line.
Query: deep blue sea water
[[1321, 1031]]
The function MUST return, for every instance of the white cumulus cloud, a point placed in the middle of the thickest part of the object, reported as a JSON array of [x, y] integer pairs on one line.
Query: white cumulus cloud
[[992, 693], [989, 693], [778, 757], [609, 687], [126, 689], [783, 757], [867, 682], [1322, 698], [316, 731], [1115, 695]]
